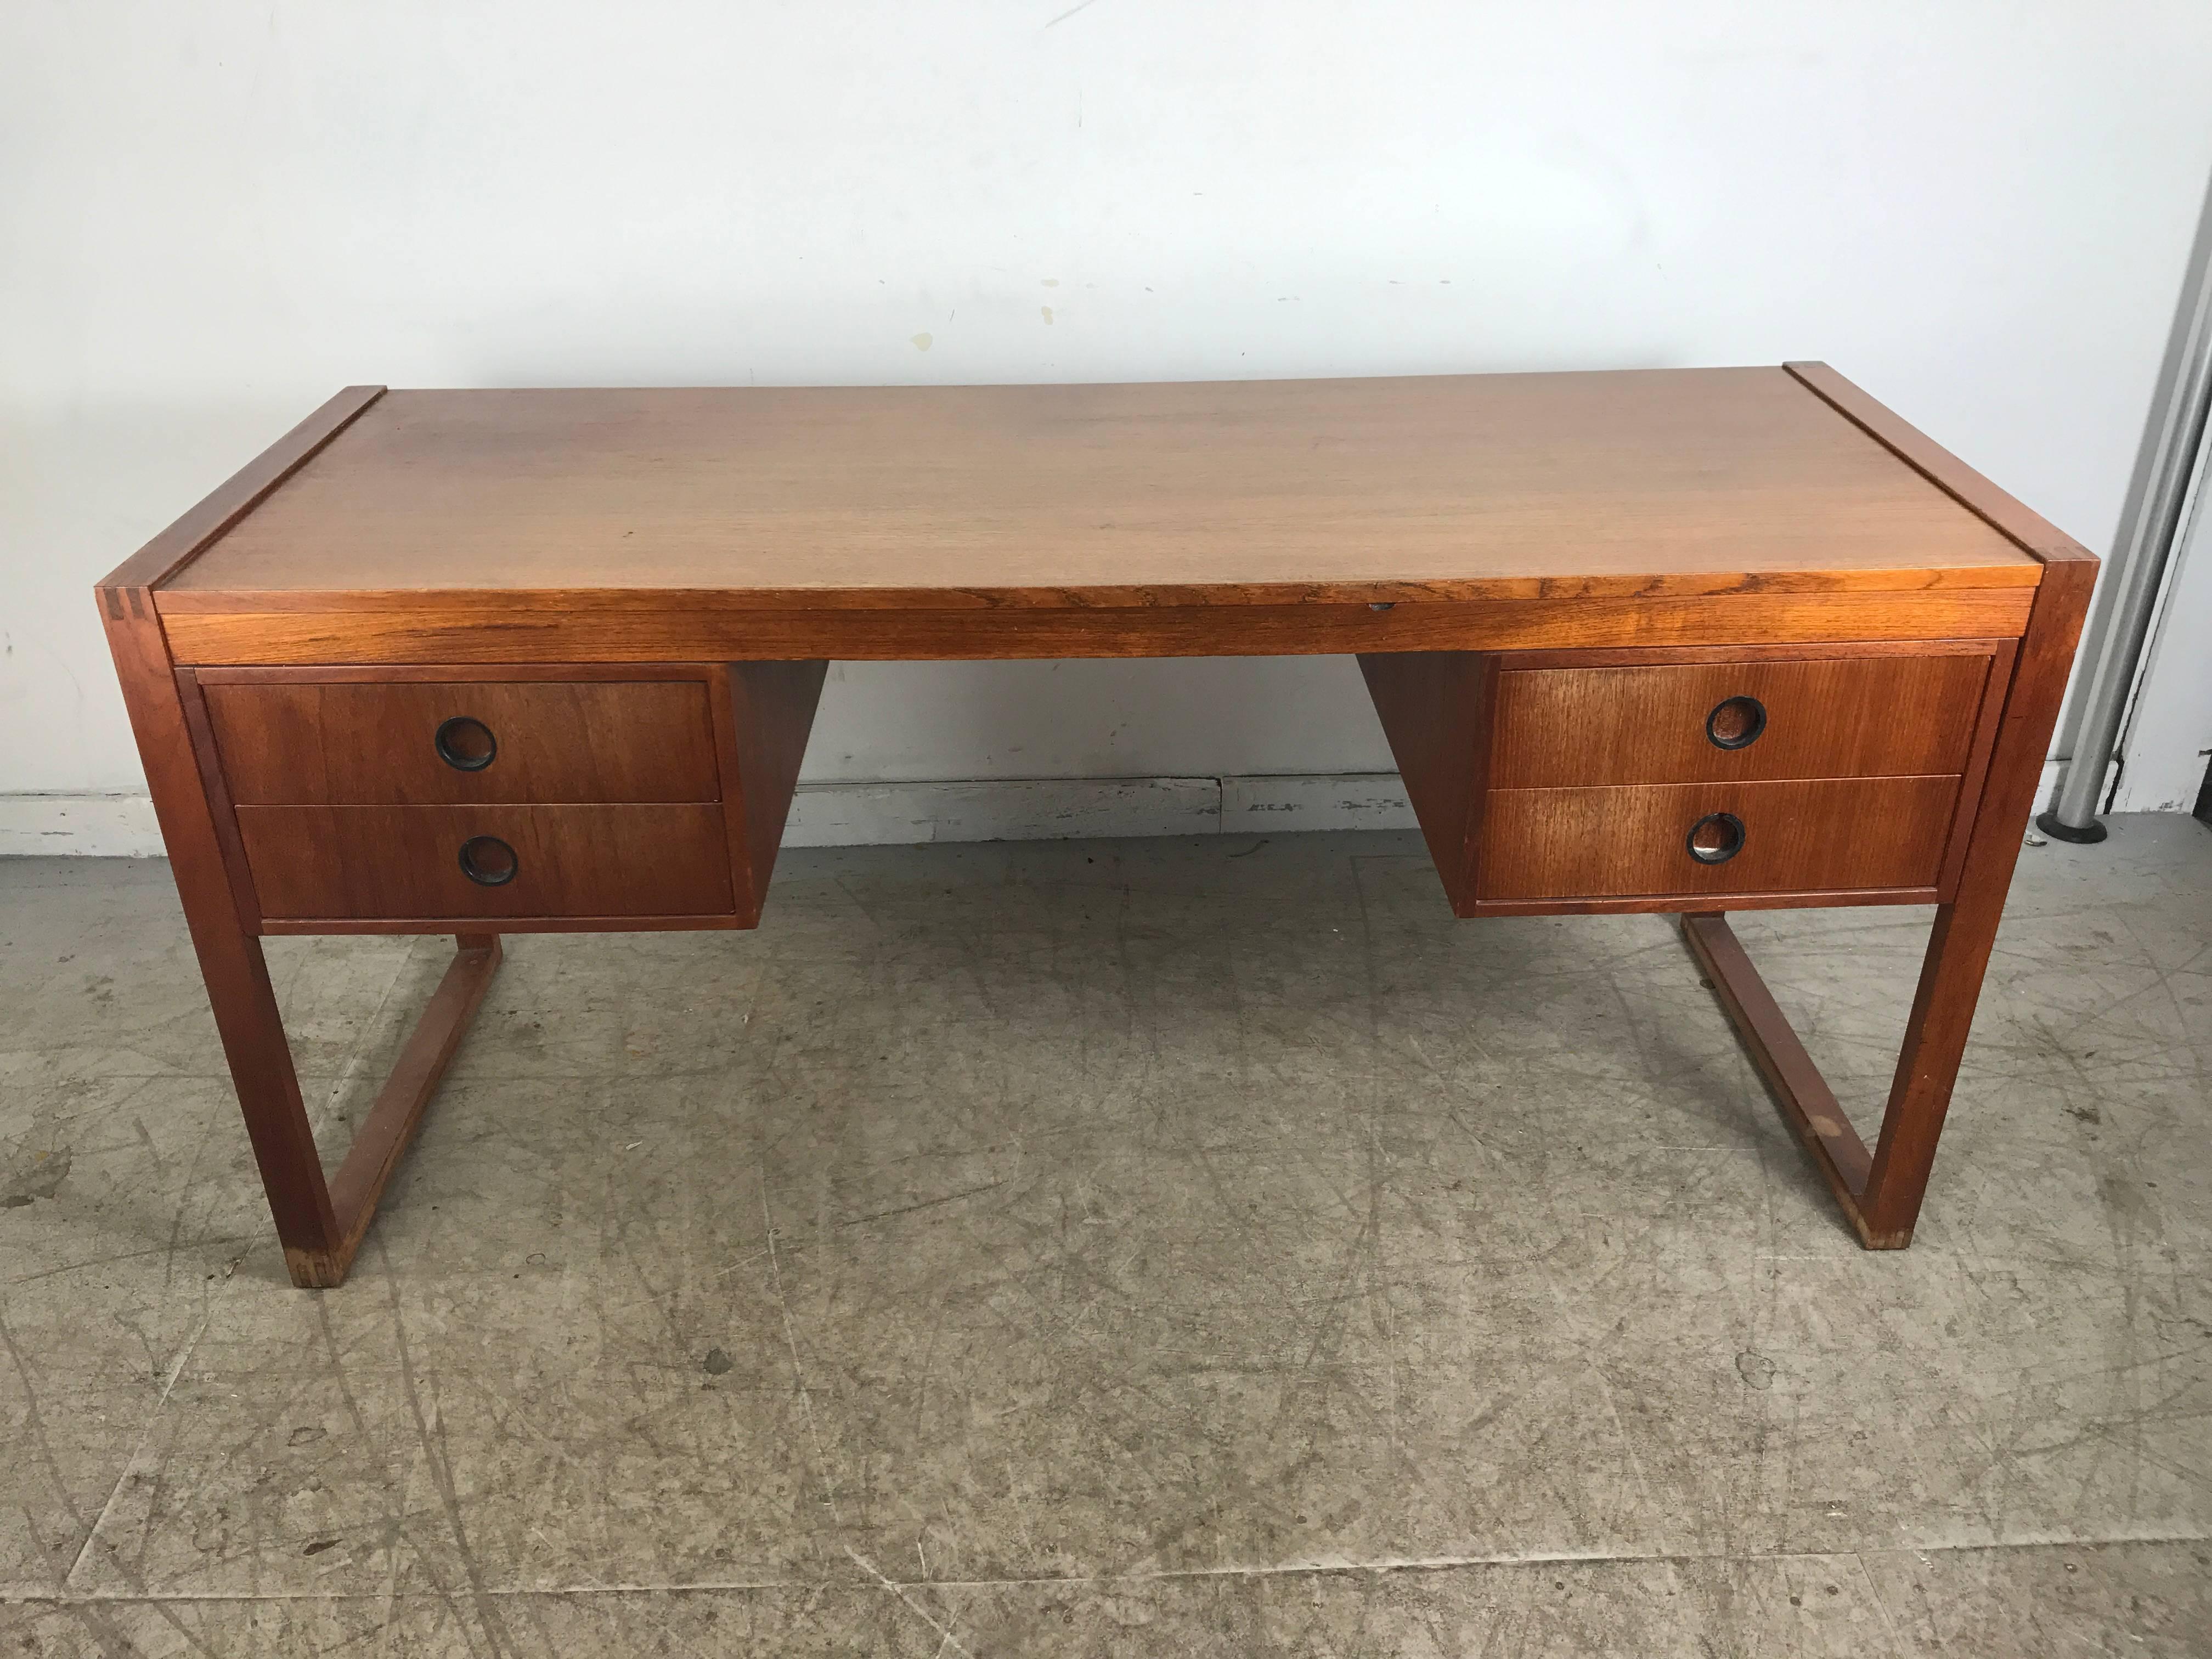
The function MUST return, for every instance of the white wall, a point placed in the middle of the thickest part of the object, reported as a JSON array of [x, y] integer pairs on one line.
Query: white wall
[[217, 213]]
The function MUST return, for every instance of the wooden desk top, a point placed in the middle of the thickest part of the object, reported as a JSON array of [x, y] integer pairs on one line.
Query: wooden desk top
[[1265, 492]]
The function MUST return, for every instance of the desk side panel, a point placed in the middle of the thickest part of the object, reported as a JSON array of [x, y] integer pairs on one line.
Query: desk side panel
[[765, 713]]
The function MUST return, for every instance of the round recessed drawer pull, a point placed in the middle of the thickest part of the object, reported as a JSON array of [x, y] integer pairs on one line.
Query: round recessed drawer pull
[[1736, 722], [489, 862], [466, 744], [1715, 838]]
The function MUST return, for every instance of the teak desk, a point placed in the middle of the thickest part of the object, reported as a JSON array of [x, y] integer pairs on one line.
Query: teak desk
[[490, 662]]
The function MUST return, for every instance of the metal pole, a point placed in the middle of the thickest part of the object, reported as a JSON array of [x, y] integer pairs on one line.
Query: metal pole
[[2149, 526]]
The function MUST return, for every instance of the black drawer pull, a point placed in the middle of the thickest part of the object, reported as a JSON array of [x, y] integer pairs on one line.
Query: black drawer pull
[[1715, 838], [466, 744], [489, 862], [1736, 722]]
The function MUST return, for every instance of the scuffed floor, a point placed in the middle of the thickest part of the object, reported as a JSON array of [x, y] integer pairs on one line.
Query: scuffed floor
[[1117, 1248]]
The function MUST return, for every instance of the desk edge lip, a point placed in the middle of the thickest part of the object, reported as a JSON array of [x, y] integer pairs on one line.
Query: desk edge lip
[[2004, 513], [1108, 600], [220, 510]]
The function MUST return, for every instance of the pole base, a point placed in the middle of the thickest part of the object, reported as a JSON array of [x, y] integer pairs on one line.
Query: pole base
[[2049, 823]]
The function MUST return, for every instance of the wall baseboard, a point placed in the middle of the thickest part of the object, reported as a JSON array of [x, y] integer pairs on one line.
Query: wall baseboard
[[121, 825], [1063, 809], [115, 825]]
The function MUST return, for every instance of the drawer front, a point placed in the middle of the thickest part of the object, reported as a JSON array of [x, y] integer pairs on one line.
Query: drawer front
[[421, 743], [392, 863], [1840, 717], [1826, 835]]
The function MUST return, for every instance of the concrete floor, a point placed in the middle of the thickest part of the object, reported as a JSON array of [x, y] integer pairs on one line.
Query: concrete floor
[[1118, 1248]]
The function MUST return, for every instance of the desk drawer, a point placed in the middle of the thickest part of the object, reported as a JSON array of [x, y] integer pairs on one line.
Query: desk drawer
[[403, 743], [397, 863], [1817, 836], [1840, 717]]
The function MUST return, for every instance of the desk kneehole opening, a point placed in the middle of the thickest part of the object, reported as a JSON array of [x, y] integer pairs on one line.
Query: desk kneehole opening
[[1715, 838], [489, 862]]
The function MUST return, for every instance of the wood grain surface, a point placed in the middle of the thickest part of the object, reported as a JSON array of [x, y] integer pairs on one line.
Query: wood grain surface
[[356, 742], [400, 629], [1512, 486], [606, 861], [1824, 834], [1840, 717]]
